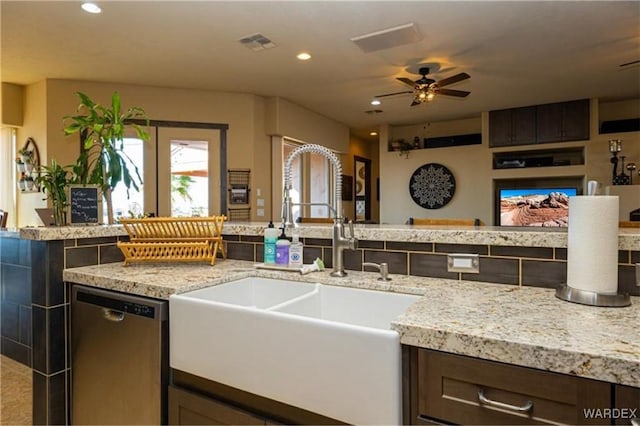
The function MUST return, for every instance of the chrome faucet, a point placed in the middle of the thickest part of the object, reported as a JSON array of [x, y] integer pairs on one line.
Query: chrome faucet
[[340, 242], [382, 267]]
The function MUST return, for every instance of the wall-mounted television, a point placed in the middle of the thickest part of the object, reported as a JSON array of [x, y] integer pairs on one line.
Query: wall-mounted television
[[535, 206]]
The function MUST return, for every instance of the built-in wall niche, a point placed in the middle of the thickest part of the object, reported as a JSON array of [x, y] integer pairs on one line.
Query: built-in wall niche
[[576, 182], [440, 134], [572, 156], [619, 117]]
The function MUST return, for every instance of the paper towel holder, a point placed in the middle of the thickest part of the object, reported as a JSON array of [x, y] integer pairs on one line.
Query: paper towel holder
[[584, 297]]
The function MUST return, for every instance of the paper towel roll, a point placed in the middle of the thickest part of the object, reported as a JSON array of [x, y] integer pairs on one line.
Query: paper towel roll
[[592, 247]]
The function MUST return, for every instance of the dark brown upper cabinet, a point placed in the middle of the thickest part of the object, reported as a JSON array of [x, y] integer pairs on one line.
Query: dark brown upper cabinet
[[558, 122], [565, 121], [515, 126]]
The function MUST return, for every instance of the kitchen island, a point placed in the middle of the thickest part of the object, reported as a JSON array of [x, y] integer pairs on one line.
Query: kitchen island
[[524, 326], [519, 268]]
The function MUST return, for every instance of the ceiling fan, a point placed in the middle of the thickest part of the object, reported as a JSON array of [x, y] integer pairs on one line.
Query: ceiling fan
[[425, 89]]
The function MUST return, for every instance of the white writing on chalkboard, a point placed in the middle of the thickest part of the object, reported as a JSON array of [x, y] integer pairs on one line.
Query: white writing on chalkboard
[[84, 204]]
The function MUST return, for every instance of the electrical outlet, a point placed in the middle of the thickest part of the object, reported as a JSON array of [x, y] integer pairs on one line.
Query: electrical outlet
[[463, 262], [260, 202], [260, 212]]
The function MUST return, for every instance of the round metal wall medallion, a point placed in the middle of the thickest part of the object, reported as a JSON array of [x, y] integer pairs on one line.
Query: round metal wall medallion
[[432, 186]]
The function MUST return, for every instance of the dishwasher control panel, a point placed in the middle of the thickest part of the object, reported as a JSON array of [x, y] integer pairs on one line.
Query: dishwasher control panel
[[125, 306]]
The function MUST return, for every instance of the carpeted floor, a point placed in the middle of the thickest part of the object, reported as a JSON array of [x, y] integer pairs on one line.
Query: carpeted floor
[[15, 392]]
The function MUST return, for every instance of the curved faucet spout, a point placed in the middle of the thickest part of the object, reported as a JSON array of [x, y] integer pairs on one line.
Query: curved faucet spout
[[287, 205], [339, 241]]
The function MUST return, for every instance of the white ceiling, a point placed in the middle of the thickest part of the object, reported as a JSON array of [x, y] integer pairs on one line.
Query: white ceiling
[[517, 52]]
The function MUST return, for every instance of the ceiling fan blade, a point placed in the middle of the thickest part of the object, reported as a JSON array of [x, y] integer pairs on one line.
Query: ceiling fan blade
[[449, 92], [393, 94], [453, 79], [405, 80]]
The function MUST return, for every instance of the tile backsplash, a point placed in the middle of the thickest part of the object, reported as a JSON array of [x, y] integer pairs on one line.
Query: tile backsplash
[[526, 266]]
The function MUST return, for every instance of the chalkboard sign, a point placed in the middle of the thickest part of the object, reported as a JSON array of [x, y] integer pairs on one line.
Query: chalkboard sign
[[85, 204]]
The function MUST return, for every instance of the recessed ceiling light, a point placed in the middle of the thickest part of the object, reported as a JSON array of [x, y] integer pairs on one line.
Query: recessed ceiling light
[[304, 56], [373, 133], [375, 102], [91, 8]]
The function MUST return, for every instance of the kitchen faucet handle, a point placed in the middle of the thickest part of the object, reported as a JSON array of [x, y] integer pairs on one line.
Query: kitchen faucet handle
[[382, 267], [353, 241]]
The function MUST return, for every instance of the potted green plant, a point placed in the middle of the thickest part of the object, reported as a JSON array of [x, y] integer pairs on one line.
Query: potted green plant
[[54, 180], [102, 160], [22, 182], [20, 164], [29, 183], [26, 155]]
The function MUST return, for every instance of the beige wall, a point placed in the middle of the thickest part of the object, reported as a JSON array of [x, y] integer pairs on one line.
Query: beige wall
[[34, 126], [469, 164], [473, 170], [284, 118], [253, 119], [12, 104], [248, 141]]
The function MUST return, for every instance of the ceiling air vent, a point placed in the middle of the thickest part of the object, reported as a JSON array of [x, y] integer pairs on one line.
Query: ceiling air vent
[[387, 38], [373, 111], [257, 42]]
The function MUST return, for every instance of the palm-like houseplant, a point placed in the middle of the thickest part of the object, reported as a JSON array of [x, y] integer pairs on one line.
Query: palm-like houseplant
[[54, 180], [102, 160]]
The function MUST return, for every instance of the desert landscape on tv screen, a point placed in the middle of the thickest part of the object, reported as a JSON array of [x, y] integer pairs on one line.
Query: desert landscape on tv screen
[[535, 207]]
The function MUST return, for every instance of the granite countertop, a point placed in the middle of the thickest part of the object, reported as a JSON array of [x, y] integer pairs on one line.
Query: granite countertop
[[517, 325], [629, 238]]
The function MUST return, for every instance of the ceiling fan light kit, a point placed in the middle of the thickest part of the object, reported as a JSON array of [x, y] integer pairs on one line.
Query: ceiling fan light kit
[[425, 89]]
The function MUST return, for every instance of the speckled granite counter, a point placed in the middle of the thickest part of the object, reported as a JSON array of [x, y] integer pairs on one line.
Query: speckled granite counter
[[517, 325], [629, 238]]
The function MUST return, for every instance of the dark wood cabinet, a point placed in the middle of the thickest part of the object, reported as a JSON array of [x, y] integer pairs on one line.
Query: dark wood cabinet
[[565, 121], [557, 122], [448, 388], [515, 126], [627, 401], [196, 400], [189, 408]]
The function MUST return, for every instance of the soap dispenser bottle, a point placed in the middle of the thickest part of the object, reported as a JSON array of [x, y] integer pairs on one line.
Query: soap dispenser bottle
[[282, 249], [295, 252], [270, 240]]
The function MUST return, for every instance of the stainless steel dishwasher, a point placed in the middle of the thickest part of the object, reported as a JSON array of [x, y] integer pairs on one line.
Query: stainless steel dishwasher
[[119, 358]]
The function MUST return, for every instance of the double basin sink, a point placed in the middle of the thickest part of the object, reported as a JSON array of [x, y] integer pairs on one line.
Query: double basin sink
[[322, 348]]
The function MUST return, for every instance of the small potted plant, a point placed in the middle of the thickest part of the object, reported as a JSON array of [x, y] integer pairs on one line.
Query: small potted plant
[[20, 165], [29, 183], [26, 155], [54, 180], [22, 182]]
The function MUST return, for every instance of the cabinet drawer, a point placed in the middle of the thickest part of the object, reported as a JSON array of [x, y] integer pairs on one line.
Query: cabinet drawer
[[449, 388], [189, 408]]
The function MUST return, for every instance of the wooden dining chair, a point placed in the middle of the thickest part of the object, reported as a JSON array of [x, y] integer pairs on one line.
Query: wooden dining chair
[[435, 221], [3, 218]]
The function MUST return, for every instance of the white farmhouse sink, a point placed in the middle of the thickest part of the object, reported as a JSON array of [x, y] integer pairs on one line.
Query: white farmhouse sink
[[325, 349], [252, 292]]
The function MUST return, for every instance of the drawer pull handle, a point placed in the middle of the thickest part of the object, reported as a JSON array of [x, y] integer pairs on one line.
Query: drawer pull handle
[[528, 405]]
